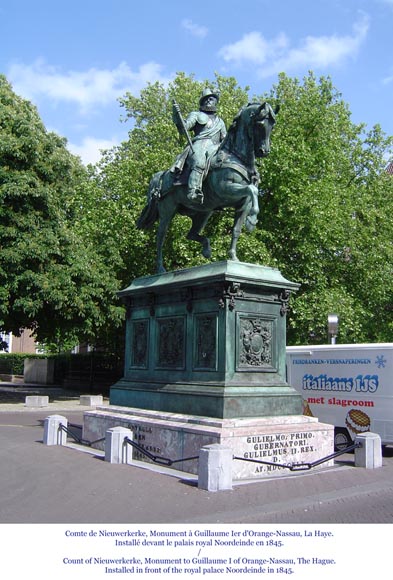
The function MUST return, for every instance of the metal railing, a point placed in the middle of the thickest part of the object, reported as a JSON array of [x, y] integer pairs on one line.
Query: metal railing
[[166, 461], [157, 458], [78, 439]]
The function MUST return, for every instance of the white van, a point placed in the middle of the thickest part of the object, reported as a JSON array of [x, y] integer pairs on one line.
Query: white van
[[349, 386]]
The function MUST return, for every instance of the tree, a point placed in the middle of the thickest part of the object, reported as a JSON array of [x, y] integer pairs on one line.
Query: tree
[[325, 210], [51, 280], [120, 181], [325, 213]]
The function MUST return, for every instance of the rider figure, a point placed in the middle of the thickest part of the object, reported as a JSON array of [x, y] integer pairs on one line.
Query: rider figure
[[209, 130]]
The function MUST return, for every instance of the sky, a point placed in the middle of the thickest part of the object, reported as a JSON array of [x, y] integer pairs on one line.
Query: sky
[[73, 59]]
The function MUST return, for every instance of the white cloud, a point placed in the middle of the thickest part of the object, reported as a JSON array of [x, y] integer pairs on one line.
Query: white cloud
[[313, 52], [194, 29], [90, 148], [254, 48], [85, 88]]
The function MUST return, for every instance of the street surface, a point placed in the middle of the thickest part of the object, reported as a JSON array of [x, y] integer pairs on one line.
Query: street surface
[[53, 484]]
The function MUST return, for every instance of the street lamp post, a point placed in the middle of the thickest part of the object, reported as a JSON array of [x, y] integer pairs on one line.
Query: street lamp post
[[332, 327]]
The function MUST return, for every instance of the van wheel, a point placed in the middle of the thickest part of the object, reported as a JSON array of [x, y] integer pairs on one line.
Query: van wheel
[[342, 439]]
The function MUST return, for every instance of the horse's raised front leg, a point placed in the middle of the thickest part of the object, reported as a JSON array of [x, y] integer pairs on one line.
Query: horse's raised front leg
[[252, 218], [199, 220], [248, 213]]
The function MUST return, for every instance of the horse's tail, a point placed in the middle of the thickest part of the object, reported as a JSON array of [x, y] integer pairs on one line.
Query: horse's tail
[[149, 213], [148, 216]]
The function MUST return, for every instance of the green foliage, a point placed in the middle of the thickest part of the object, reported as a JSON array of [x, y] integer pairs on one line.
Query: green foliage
[[69, 238], [325, 213], [13, 363], [52, 280], [120, 182], [325, 209]]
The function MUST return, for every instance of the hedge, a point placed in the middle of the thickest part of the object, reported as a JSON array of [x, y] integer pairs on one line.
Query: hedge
[[89, 364], [13, 363]]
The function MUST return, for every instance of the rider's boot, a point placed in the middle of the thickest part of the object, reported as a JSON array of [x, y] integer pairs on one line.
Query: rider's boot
[[195, 185], [195, 195]]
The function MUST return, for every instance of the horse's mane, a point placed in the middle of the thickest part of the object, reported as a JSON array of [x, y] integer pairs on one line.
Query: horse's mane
[[227, 142]]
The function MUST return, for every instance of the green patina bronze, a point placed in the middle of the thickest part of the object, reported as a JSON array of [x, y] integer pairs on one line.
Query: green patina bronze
[[208, 341], [224, 163], [209, 130]]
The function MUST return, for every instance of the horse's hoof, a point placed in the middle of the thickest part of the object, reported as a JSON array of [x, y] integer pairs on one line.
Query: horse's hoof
[[233, 257], [207, 253]]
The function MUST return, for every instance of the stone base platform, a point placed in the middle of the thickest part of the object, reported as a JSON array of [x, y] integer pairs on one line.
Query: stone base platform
[[282, 440]]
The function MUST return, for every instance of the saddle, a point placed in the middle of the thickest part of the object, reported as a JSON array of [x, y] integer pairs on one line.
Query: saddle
[[222, 159]]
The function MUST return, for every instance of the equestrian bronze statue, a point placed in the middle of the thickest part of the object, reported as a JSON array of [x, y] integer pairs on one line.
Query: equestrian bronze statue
[[230, 180]]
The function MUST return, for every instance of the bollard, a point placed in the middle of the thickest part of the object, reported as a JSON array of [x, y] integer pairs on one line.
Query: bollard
[[116, 449], [91, 400], [53, 434], [37, 401], [215, 468], [369, 454]]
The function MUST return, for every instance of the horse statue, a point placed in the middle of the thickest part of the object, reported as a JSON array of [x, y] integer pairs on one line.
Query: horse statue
[[231, 181]]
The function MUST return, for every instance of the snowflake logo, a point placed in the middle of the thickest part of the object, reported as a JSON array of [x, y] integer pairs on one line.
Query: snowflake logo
[[381, 361]]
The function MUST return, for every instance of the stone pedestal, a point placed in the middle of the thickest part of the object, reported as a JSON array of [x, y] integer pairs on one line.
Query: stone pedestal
[[208, 341], [274, 440], [205, 366]]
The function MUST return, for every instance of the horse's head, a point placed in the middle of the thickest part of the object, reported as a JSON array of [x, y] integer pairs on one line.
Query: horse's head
[[262, 120], [249, 135]]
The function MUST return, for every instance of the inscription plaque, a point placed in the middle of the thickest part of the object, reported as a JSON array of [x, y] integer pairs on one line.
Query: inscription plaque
[[279, 448], [142, 435]]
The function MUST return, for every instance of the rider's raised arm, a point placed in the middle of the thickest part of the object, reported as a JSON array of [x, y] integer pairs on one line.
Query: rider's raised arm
[[176, 117]]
